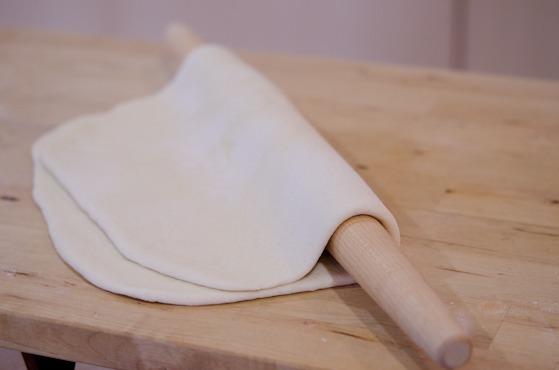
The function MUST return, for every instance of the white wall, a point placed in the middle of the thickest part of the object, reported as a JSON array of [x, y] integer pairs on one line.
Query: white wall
[[519, 37], [499, 36]]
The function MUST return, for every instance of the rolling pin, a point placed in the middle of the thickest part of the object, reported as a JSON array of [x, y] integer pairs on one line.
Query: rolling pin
[[373, 258]]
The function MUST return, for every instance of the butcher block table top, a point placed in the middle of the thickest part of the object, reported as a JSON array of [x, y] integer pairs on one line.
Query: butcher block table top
[[468, 164]]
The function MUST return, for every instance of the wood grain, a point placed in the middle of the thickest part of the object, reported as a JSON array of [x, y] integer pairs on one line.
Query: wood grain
[[467, 163]]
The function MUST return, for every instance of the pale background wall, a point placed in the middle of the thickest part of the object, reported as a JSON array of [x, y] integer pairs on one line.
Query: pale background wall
[[519, 37]]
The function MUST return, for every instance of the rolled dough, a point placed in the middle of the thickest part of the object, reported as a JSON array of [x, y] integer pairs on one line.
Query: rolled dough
[[213, 190]]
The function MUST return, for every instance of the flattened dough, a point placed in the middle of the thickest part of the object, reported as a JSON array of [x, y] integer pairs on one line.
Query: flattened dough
[[84, 246], [216, 182]]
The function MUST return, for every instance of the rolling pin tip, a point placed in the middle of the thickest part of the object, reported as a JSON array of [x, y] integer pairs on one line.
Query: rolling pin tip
[[455, 352], [181, 39]]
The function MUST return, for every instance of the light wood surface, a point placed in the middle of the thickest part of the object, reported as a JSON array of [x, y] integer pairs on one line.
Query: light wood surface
[[468, 164]]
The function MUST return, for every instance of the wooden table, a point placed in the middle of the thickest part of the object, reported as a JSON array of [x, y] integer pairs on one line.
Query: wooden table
[[468, 164]]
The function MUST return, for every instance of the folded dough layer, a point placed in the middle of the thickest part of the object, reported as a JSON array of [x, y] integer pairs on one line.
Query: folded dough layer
[[217, 180], [85, 247]]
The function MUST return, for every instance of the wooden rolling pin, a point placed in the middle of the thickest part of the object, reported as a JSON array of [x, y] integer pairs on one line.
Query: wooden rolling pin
[[372, 257]]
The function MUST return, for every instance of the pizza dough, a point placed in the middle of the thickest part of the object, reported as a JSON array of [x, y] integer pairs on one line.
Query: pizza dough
[[213, 190]]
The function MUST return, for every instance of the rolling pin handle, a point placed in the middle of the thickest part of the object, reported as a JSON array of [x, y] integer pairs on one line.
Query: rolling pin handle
[[372, 257], [181, 39]]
